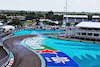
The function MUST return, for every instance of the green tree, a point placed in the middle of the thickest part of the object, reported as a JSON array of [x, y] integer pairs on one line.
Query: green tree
[[60, 23], [50, 13], [76, 23], [68, 24], [15, 21], [51, 23], [45, 22], [89, 17], [37, 21], [3, 18]]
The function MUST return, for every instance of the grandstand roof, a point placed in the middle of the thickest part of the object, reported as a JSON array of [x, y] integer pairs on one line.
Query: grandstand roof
[[89, 24], [95, 16], [76, 16]]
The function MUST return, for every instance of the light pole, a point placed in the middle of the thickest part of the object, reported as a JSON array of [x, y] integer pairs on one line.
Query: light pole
[[66, 20]]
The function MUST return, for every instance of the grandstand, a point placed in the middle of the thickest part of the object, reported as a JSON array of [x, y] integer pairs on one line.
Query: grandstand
[[95, 18], [75, 18]]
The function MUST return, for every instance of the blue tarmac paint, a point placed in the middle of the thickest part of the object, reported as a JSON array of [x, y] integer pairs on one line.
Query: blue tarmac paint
[[84, 54], [58, 59], [11, 55]]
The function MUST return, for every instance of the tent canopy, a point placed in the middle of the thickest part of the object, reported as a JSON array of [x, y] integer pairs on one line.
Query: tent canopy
[[89, 24], [8, 27], [76, 16], [95, 16]]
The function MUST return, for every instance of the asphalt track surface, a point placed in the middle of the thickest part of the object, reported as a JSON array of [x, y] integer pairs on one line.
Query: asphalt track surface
[[3, 53], [23, 57]]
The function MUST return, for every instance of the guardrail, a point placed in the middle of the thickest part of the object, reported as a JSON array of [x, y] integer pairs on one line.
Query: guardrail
[[5, 60], [70, 39]]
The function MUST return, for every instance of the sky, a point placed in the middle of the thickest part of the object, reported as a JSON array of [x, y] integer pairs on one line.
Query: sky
[[51, 5]]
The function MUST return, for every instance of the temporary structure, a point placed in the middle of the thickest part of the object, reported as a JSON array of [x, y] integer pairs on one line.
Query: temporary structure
[[89, 24], [8, 27]]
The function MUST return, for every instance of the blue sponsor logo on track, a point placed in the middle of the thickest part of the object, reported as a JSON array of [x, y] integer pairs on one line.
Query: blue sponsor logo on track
[[57, 58]]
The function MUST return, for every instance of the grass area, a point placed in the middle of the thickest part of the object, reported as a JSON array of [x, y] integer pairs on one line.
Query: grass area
[[46, 47]]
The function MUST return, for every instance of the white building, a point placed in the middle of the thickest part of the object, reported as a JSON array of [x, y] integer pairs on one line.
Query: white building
[[48, 20], [75, 18], [95, 18], [8, 27], [5, 28], [88, 30]]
